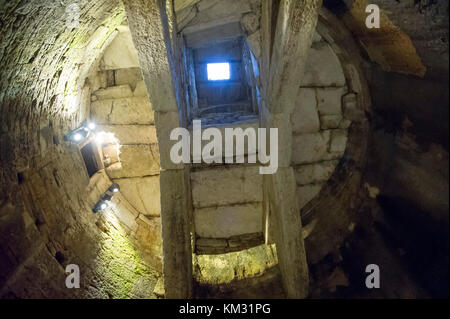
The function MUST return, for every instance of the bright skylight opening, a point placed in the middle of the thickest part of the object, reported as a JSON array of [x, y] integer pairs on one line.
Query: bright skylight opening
[[218, 71]]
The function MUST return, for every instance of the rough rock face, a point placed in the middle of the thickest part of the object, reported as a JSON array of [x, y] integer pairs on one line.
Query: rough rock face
[[426, 23]]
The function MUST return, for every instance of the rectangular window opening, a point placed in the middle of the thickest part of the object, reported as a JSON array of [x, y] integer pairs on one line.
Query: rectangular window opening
[[89, 158], [218, 71]]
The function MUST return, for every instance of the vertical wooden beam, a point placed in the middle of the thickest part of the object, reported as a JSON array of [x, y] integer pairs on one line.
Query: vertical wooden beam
[[192, 84], [286, 55], [297, 20], [154, 38], [175, 227], [267, 23], [288, 232]]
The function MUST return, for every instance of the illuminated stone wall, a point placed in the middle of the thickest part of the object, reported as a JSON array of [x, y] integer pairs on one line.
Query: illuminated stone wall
[[46, 197]]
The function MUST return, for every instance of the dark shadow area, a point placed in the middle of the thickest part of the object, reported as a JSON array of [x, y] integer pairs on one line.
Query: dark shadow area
[[423, 242], [265, 286]]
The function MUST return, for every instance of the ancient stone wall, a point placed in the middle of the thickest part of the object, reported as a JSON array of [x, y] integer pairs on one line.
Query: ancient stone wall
[[318, 125], [121, 106], [46, 196]]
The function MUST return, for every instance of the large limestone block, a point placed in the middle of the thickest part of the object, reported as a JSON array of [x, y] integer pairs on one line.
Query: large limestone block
[[338, 141], [99, 80], [126, 214], [184, 16], [148, 235], [113, 92], [227, 221], [249, 148], [254, 42], [131, 134], [98, 184], [313, 173], [305, 118], [128, 76], [181, 4], [140, 89], [215, 12], [142, 193], [310, 148], [132, 110], [136, 160], [329, 100], [323, 67], [121, 53], [226, 185], [250, 22], [333, 156], [331, 121], [306, 193], [350, 108]]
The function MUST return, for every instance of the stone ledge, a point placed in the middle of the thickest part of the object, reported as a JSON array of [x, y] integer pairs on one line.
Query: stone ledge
[[143, 193], [112, 92], [125, 110], [227, 221], [214, 246], [323, 67], [314, 173], [226, 185], [136, 161], [131, 134]]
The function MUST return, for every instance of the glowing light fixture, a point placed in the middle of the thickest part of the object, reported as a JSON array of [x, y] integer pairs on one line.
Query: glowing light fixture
[[114, 188], [77, 137], [80, 133], [218, 71], [103, 203]]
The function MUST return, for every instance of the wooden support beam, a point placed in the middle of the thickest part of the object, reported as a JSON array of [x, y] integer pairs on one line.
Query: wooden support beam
[[288, 232], [150, 27], [296, 23], [284, 57]]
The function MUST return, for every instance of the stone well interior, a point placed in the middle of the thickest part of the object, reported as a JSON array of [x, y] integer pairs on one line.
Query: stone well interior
[[362, 118]]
